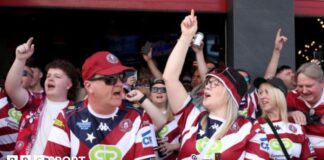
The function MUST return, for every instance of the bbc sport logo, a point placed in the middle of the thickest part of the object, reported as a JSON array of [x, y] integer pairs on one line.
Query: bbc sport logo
[[29, 157]]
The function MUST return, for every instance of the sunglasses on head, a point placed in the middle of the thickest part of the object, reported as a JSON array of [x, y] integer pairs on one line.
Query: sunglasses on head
[[158, 90], [25, 73], [109, 80]]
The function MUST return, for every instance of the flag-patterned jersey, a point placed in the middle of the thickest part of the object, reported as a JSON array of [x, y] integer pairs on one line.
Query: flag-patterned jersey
[[293, 137], [314, 131], [80, 132], [9, 120], [249, 106], [241, 141], [170, 133]]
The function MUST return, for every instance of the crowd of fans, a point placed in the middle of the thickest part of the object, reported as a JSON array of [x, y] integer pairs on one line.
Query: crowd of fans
[[120, 113]]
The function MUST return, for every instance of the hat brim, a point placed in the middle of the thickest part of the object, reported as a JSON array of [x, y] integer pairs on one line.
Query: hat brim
[[258, 81], [275, 82], [114, 70]]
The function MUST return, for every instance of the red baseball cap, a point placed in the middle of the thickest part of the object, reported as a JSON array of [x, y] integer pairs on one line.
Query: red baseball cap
[[103, 63]]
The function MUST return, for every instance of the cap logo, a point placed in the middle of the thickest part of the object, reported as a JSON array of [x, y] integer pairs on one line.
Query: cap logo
[[112, 59]]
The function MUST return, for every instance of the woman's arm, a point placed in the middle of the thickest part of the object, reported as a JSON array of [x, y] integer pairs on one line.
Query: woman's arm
[[176, 92]]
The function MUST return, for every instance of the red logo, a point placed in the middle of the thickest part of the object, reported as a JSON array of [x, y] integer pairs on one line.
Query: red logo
[[125, 125], [292, 128], [19, 145]]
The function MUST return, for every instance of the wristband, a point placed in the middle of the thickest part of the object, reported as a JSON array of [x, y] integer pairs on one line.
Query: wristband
[[142, 99]]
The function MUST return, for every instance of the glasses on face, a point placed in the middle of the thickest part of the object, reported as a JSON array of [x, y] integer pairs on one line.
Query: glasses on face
[[212, 82], [246, 79], [158, 90], [109, 80], [25, 73]]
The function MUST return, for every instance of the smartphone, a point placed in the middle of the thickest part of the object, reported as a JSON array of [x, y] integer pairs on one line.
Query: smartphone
[[146, 48], [130, 74]]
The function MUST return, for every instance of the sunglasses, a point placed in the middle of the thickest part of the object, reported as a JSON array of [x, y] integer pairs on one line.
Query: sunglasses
[[158, 90], [25, 73], [109, 80]]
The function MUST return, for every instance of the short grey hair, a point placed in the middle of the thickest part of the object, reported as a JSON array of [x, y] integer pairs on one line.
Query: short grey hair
[[312, 71]]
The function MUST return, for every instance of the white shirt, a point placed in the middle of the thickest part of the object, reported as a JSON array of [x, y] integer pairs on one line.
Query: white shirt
[[50, 111]]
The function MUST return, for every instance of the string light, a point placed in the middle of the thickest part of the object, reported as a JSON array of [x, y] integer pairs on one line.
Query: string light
[[312, 49]]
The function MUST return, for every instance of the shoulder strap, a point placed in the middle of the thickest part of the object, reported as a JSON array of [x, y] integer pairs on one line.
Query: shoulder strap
[[278, 138]]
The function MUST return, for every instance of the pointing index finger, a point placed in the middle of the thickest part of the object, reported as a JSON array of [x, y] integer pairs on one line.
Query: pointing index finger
[[192, 12], [279, 32], [30, 41]]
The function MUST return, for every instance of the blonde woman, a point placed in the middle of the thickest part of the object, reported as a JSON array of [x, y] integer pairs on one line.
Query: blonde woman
[[217, 132], [272, 100]]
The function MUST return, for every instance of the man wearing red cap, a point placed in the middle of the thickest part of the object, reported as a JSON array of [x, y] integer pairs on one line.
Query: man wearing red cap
[[98, 128]]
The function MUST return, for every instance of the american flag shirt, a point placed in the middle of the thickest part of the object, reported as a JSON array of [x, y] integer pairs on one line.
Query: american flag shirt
[[242, 141], [79, 132]]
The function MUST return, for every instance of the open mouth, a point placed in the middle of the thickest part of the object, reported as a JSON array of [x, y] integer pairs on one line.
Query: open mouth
[[50, 86], [117, 93], [159, 97], [206, 95]]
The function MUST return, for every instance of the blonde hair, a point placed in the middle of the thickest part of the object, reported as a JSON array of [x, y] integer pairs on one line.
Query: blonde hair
[[231, 116], [279, 98]]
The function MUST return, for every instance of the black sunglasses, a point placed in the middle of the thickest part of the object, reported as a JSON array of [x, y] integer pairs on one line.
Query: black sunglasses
[[25, 73], [109, 80], [158, 90]]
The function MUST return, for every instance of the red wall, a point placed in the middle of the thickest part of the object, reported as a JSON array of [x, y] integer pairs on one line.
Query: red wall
[[312, 8], [302, 7], [149, 5]]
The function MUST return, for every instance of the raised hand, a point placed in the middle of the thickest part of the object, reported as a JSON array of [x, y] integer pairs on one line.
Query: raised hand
[[189, 25], [147, 57], [25, 50], [279, 41], [198, 50], [134, 95]]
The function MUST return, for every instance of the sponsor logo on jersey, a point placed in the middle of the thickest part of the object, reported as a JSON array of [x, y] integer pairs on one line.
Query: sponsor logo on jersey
[[277, 127], [274, 144], [41, 157], [14, 114], [84, 124], [147, 137], [105, 152], [125, 125], [264, 145], [19, 145], [163, 131], [235, 127], [214, 148], [292, 128], [103, 127], [58, 123], [71, 107]]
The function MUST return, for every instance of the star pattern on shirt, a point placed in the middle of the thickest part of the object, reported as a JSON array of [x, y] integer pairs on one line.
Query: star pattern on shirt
[[113, 117], [215, 126], [90, 137], [201, 132]]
